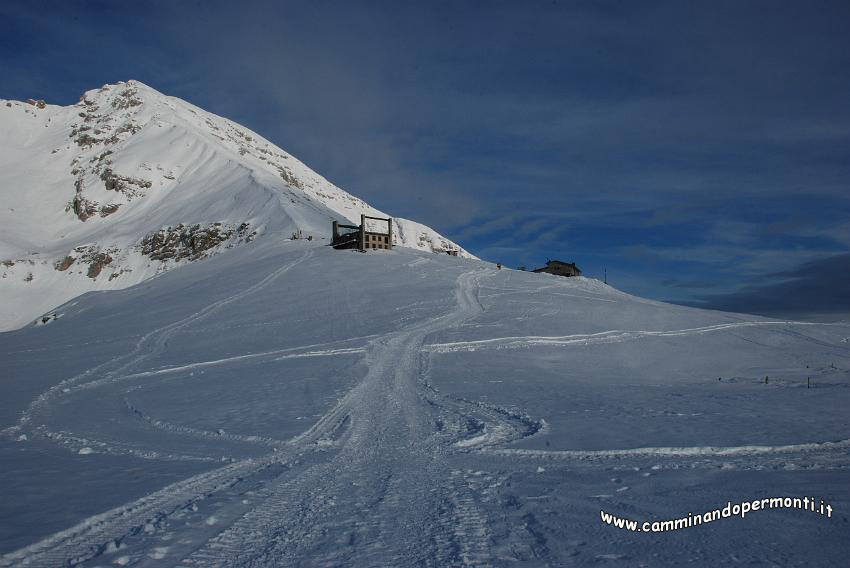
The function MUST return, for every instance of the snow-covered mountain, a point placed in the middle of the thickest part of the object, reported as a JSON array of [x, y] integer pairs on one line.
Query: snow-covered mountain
[[129, 182]]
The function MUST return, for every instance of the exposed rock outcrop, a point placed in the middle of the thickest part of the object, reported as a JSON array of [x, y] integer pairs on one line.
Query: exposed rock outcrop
[[129, 186], [65, 263], [83, 208], [193, 241], [96, 258], [98, 261], [126, 99], [108, 209]]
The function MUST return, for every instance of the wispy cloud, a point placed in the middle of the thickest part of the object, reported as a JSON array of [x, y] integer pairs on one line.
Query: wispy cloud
[[811, 289]]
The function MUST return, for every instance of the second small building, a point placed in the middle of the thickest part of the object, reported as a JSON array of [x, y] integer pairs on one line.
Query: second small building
[[559, 268]]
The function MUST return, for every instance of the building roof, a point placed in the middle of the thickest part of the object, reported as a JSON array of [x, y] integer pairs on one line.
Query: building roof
[[557, 262]]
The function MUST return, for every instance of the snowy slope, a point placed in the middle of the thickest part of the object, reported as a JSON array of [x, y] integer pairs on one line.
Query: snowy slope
[[285, 404], [85, 189]]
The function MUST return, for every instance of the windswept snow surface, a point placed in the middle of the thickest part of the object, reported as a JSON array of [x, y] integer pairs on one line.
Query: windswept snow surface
[[85, 188], [284, 404]]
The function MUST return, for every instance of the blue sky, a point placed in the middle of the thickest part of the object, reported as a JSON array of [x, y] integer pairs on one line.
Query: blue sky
[[698, 151]]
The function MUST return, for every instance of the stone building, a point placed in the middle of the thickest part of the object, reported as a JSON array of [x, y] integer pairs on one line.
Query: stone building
[[360, 236]]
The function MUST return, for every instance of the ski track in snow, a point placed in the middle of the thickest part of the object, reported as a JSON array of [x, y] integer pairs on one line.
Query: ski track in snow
[[365, 476], [674, 452], [274, 355], [610, 336], [150, 345], [198, 433]]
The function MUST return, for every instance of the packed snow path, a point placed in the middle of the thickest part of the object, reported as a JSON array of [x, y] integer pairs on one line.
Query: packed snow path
[[389, 481], [423, 458]]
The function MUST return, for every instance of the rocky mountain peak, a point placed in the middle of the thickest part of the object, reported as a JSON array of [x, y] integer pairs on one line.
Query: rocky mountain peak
[[137, 182]]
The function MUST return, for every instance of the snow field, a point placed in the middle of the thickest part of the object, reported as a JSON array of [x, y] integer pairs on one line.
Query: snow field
[[299, 410]]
